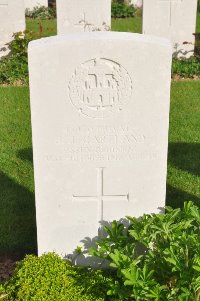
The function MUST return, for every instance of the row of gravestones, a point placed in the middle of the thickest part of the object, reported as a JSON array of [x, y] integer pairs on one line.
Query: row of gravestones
[[172, 19], [100, 116]]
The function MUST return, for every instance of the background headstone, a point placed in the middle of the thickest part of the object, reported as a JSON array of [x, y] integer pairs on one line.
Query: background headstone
[[136, 3], [12, 19], [87, 15], [172, 19], [30, 4], [100, 132]]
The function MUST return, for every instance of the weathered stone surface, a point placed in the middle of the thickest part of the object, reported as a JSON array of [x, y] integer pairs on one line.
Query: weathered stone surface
[[30, 4], [12, 19], [172, 19], [87, 15], [100, 132]]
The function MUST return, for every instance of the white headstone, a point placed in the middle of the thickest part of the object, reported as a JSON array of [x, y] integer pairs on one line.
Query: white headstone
[[30, 4], [80, 16], [100, 131], [172, 19], [12, 19], [136, 3]]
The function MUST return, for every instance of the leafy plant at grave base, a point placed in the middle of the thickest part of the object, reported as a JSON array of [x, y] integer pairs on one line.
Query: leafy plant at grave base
[[3, 295], [156, 258], [41, 12], [186, 67], [14, 68], [50, 278], [122, 10]]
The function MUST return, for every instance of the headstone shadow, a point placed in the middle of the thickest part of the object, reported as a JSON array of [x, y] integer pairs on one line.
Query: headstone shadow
[[185, 156], [82, 258], [181, 52], [17, 219], [26, 155], [176, 197], [4, 51]]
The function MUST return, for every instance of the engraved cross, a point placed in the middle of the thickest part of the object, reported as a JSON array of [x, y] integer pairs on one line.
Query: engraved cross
[[170, 7], [101, 197], [82, 23]]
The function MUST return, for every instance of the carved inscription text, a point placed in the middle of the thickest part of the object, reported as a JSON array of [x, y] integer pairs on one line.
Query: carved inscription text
[[101, 144]]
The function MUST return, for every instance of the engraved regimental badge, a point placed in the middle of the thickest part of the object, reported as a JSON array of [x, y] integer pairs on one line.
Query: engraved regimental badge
[[99, 88]]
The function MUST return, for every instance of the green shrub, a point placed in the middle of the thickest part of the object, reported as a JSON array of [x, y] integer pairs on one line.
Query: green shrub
[[14, 67], [50, 278], [122, 10], [41, 12], [157, 258], [186, 67]]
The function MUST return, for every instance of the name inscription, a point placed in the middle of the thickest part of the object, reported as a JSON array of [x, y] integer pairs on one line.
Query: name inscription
[[81, 144]]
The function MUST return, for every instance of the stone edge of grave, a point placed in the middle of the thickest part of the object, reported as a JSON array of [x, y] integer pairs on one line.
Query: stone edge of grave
[[136, 37]]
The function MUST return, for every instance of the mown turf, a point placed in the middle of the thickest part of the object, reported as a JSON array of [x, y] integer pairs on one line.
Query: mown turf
[[44, 27], [184, 143], [17, 208], [127, 25]]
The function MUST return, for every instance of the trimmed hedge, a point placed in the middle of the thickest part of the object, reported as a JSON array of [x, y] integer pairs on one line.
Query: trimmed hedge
[[50, 278]]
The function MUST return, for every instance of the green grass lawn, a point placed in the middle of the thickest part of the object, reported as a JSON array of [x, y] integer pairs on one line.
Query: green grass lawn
[[184, 143], [127, 25], [17, 206], [44, 27]]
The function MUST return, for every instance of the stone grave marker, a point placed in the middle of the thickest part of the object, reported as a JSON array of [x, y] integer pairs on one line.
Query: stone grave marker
[[87, 15], [136, 3], [30, 4], [12, 19], [100, 132], [172, 19]]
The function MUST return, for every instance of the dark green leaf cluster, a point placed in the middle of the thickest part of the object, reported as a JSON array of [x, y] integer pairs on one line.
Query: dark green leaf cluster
[[157, 257], [122, 10], [186, 67], [14, 67], [41, 12], [50, 278]]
